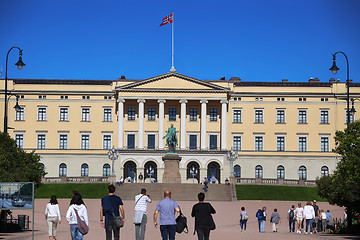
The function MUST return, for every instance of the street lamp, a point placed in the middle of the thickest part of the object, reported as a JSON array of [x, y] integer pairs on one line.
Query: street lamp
[[352, 110], [232, 157], [20, 66], [334, 70], [113, 155], [193, 172]]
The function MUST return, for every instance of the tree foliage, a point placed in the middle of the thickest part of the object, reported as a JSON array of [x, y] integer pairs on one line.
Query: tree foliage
[[16, 165]]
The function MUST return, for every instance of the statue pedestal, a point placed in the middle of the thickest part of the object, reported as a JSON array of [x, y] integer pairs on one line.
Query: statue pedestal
[[171, 168]]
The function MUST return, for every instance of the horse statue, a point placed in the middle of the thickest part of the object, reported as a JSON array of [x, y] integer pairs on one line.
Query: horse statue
[[171, 138]]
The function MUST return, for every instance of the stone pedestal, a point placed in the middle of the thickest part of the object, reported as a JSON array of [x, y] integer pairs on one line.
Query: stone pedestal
[[171, 168]]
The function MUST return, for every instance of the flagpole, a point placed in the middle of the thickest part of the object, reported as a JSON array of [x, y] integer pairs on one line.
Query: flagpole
[[172, 46]]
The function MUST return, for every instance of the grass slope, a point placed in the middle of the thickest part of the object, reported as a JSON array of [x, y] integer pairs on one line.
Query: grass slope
[[64, 190], [277, 193]]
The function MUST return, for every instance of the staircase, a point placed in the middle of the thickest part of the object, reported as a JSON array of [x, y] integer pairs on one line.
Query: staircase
[[180, 192]]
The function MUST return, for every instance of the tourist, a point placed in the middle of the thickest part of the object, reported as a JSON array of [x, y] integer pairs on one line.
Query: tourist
[[205, 184], [75, 192], [166, 208], [76, 208], [132, 176], [261, 216], [227, 182], [141, 177], [299, 217], [328, 216], [213, 179], [317, 226], [275, 219], [111, 206], [243, 218], [140, 215], [309, 215], [323, 220], [291, 218], [121, 181], [52, 216]]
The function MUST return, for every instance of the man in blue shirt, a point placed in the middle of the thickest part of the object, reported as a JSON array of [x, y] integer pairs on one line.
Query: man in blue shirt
[[167, 209]]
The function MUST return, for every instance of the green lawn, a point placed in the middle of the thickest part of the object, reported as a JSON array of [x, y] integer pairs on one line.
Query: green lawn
[[64, 190], [279, 193]]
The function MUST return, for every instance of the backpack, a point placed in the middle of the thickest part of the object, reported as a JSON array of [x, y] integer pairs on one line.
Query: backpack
[[181, 224], [260, 214], [291, 214]]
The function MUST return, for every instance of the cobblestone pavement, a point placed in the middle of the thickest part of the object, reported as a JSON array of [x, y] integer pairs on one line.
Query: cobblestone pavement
[[226, 219]]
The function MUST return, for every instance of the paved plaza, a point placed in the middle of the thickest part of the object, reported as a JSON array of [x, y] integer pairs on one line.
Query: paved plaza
[[226, 219]]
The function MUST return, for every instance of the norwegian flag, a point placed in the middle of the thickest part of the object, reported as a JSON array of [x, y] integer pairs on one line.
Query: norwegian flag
[[167, 19]]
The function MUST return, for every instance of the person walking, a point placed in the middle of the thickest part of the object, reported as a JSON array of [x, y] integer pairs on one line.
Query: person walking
[[299, 217], [323, 220], [52, 216], [317, 227], [140, 216], [275, 219], [202, 212], [243, 218], [166, 208], [205, 184], [76, 208], [309, 215], [261, 216], [111, 205], [291, 218]]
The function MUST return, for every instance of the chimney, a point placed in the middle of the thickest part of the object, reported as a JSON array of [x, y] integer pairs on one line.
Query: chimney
[[285, 80], [235, 79], [314, 80], [332, 80], [350, 80], [338, 81], [122, 77], [222, 78]]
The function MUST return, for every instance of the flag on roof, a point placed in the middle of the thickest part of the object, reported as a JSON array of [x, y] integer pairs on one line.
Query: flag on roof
[[167, 19]]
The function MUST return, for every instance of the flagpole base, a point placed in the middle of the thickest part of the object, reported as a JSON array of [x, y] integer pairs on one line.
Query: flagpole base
[[172, 69]]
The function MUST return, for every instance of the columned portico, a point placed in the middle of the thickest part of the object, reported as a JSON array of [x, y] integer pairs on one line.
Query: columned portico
[[223, 124], [161, 122], [120, 144], [141, 124], [203, 125], [183, 124]]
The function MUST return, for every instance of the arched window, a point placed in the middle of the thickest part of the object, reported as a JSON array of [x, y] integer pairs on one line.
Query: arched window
[[84, 170], [302, 173], [106, 170], [150, 169], [324, 171], [237, 171], [214, 170], [128, 168], [193, 171], [280, 172], [62, 170], [258, 171]]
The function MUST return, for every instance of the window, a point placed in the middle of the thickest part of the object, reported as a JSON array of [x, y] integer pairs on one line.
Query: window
[[302, 144], [131, 141], [193, 114], [131, 113], [193, 142], [106, 141], [62, 170], [280, 116], [85, 141], [237, 143], [41, 113], [302, 173], [324, 144], [19, 138], [85, 114], [280, 172], [324, 116], [63, 141], [84, 170], [237, 171], [259, 143], [151, 114], [280, 144], [106, 170], [172, 114], [41, 141], [19, 114], [302, 117], [302, 99], [151, 141], [258, 171], [237, 116], [213, 142], [324, 171], [213, 114], [259, 116], [107, 114], [64, 114]]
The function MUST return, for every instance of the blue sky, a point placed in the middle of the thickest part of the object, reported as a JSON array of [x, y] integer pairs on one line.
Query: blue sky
[[257, 40]]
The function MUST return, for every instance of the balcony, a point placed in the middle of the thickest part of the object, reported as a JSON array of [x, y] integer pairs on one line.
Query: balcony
[[271, 181], [101, 179]]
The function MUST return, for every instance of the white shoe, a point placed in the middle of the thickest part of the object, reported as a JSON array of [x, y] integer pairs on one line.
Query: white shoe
[[305, 232]]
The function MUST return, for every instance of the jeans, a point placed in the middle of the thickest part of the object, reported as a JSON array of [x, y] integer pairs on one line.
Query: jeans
[[261, 225], [243, 224], [74, 232], [292, 225], [111, 227], [168, 232], [309, 221], [140, 228], [203, 232], [205, 187]]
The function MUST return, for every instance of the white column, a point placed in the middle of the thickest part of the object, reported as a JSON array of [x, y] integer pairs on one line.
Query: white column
[[141, 124], [161, 122], [120, 144], [224, 124], [203, 125], [183, 124]]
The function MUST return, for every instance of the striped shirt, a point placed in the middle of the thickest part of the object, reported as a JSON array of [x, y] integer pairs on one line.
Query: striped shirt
[[142, 203]]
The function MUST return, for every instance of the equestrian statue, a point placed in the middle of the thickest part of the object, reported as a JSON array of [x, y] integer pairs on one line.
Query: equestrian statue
[[171, 138]]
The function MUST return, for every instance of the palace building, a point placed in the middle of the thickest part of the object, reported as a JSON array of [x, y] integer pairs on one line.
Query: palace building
[[282, 131]]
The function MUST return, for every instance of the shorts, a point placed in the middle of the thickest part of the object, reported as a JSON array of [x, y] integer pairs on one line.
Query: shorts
[[299, 218]]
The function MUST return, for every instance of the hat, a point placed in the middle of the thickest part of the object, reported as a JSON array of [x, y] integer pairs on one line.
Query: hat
[[314, 201]]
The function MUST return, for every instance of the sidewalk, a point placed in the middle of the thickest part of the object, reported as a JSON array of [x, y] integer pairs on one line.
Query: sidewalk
[[226, 219]]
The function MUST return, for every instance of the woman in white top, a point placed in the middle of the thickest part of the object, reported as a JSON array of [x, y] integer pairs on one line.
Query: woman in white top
[[77, 204], [299, 217], [309, 215], [52, 216]]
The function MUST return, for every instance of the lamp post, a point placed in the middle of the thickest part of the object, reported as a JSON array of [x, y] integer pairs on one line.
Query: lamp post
[[20, 66], [113, 155], [193, 172], [352, 110], [334, 70], [232, 157]]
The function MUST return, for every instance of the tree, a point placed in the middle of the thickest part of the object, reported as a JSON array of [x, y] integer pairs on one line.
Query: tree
[[16, 165], [343, 186]]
